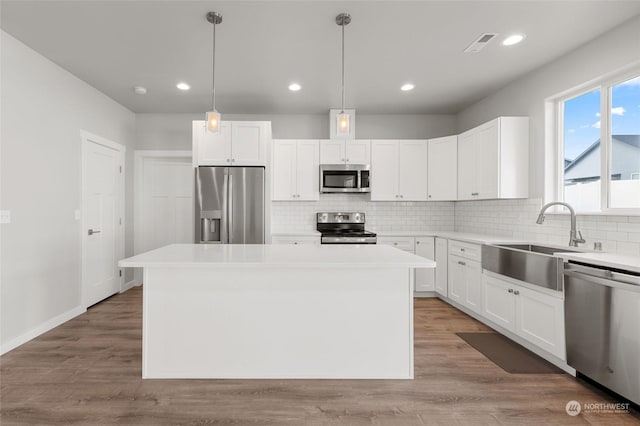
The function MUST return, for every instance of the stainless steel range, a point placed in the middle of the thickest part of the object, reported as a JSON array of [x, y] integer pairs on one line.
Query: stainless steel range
[[343, 228]]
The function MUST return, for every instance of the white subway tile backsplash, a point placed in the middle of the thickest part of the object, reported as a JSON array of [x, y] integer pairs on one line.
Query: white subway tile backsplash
[[506, 218], [617, 233], [294, 216]]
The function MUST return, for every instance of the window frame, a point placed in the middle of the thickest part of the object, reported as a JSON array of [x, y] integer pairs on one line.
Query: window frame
[[555, 130]]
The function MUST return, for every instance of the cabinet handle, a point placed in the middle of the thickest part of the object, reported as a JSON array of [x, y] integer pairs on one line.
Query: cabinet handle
[[417, 242], [462, 250], [429, 195], [395, 244], [510, 290], [461, 263], [474, 193], [228, 160], [401, 196], [396, 195], [295, 242], [516, 292]]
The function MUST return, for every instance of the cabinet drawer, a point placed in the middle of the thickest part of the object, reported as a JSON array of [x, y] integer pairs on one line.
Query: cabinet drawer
[[466, 250], [303, 239], [402, 243]]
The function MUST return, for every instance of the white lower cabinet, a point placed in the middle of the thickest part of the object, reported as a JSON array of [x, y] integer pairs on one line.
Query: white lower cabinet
[[442, 266], [402, 243], [532, 315], [465, 275], [295, 239], [425, 277], [499, 305]]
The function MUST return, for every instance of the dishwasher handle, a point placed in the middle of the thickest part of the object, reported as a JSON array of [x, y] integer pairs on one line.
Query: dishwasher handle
[[612, 279]]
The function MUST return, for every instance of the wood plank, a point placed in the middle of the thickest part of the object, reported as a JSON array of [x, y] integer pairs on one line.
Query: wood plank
[[88, 371]]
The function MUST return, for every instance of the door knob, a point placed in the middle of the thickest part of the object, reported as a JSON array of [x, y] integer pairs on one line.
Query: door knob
[[92, 231]]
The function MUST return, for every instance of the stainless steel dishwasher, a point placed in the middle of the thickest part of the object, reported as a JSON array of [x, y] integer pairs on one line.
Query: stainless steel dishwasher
[[602, 321]]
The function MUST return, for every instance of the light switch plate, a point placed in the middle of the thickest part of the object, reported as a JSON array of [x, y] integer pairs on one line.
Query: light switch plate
[[76, 214], [5, 216]]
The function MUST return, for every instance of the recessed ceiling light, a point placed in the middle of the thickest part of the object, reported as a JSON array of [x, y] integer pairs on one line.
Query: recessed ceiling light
[[513, 39], [294, 87], [139, 90], [407, 86], [183, 86]]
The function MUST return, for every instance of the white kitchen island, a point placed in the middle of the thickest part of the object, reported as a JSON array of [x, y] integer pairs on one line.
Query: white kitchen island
[[277, 311]]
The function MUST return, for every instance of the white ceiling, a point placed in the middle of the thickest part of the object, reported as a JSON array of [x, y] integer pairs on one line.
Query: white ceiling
[[262, 46]]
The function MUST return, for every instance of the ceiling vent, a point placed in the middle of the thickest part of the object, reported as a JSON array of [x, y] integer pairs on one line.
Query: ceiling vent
[[480, 43]]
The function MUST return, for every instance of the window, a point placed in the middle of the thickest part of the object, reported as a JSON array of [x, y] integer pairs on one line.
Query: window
[[599, 136]]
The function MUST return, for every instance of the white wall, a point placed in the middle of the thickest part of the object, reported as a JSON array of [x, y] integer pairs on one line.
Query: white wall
[[526, 96], [173, 131], [43, 109], [614, 50]]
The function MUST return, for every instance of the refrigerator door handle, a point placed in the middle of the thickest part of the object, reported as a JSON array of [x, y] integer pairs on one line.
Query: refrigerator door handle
[[224, 229], [230, 208]]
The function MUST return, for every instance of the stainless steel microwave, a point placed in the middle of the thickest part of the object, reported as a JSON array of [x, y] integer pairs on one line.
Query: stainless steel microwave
[[344, 178]]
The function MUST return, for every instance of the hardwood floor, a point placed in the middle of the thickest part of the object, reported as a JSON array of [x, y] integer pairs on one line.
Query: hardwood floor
[[88, 371]]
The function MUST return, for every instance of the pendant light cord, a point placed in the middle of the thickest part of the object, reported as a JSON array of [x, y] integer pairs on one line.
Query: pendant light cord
[[213, 73], [343, 66]]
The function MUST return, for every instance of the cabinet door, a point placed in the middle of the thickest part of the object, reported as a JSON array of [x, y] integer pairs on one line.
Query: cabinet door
[[499, 304], [442, 168], [403, 243], [248, 143], [308, 170], [488, 160], [332, 152], [214, 149], [284, 170], [358, 152], [441, 266], [457, 279], [384, 170], [412, 168], [540, 320], [467, 165], [425, 277], [473, 285]]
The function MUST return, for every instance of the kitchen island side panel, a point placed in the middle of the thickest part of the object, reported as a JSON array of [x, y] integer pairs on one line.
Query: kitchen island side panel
[[278, 323]]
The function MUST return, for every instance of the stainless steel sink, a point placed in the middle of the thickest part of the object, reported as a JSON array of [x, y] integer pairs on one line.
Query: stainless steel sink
[[531, 263], [537, 248]]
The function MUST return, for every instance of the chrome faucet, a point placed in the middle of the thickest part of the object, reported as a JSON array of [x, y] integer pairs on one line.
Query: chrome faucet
[[575, 237]]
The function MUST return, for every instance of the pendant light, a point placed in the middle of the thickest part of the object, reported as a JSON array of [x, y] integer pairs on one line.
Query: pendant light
[[344, 120], [213, 116]]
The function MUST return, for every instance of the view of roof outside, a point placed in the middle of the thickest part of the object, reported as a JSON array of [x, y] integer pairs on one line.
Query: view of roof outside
[[582, 119]]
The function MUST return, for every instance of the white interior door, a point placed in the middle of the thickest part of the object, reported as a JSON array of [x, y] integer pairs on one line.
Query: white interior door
[[102, 231], [167, 202]]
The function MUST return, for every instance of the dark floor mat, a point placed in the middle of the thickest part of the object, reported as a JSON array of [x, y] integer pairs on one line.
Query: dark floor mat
[[508, 355]]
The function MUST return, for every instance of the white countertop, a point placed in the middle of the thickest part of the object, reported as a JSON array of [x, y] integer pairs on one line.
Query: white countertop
[[296, 234], [451, 235], [276, 255], [612, 260]]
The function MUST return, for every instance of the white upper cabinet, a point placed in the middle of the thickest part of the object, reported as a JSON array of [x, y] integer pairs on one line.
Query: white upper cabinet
[[345, 152], [239, 143], [442, 169], [384, 170], [493, 160], [399, 170], [295, 170]]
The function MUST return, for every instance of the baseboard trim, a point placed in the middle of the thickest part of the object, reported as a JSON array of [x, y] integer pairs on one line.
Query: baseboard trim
[[129, 285], [41, 329]]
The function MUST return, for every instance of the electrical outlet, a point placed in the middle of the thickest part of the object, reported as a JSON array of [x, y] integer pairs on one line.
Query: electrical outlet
[[76, 214], [5, 216]]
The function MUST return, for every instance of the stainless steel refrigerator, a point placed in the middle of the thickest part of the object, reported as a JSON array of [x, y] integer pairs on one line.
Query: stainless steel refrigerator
[[230, 205]]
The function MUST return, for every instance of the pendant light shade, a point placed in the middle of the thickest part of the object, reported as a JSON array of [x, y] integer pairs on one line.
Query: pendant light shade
[[213, 116], [343, 126]]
